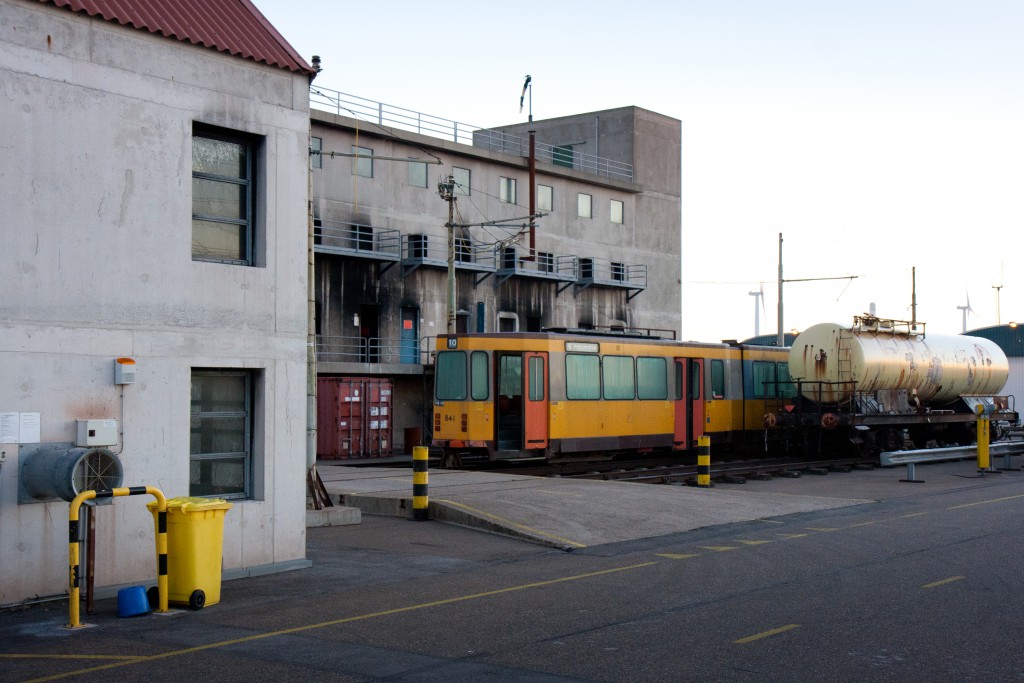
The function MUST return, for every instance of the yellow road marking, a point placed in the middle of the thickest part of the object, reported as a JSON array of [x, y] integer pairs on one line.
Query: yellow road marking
[[740, 540], [515, 524], [944, 582], [985, 502], [793, 535], [770, 521], [822, 528], [678, 556], [720, 548], [853, 526], [345, 620], [766, 634], [127, 658]]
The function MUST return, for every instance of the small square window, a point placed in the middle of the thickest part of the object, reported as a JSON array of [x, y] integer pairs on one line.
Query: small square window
[[461, 177], [616, 211], [316, 145], [545, 262], [583, 202], [544, 196], [507, 190], [362, 162], [417, 174]]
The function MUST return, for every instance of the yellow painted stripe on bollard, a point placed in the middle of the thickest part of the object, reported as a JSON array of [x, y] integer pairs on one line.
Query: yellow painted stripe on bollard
[[420, 499], [704, 462]]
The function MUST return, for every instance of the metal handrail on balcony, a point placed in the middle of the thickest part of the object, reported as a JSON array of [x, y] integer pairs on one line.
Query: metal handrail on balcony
[[542, 265], [358, 239], [353, 106], [340, 349]]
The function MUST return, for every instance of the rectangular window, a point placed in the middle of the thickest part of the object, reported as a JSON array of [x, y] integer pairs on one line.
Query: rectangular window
[[450, 376], [220, 447], [417, 173], [562, 155], [461, 177], [361, 237], [678, 396], [787, 387], [616, 210], [695, 380], [510, 375], [536, 370], [764, 379], [582, 377], [362, 162], [583, 205], [223, 197], [717, 379], [417, 246], [618, 271], [463, 252], [316, 145], [619, 381], [545, 262], [481, 376], [652, 378], [507, 190], [544, 197]]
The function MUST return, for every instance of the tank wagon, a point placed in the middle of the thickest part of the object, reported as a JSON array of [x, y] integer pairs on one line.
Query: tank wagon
[[884, 384], [578, 395]]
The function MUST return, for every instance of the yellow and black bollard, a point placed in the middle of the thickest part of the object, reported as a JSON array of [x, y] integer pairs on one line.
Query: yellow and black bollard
[[984, 462], [420, 499], [704, 462]]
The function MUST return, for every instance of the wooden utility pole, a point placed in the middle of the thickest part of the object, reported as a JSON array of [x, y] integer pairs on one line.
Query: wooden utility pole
[[446, 189]]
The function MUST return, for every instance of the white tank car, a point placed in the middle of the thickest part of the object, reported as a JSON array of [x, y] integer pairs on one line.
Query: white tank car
[[872, 356]]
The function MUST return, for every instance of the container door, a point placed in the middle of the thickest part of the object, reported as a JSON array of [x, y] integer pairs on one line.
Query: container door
[[535, 390]]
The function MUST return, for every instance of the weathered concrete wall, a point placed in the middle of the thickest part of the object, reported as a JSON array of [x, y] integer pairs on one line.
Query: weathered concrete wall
[[95, 181]]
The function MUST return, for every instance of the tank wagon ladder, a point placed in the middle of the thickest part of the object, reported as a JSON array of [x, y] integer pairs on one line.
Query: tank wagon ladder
[[844, 356]]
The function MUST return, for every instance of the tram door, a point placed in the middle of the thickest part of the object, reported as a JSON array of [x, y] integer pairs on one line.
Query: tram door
[[689, 402], [535, 390], [522, 410]]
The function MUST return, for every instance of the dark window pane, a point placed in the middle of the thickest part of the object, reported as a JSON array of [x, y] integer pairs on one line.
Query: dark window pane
[[764, 379], [536, 378], [217, 476], [481, 376], [450, 376], [718, 379]]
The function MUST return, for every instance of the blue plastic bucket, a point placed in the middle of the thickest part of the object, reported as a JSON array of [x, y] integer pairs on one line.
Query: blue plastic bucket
[[132, 601]]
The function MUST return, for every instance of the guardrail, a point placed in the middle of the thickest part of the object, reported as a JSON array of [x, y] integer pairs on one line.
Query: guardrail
[[338, 349], [910, 458]]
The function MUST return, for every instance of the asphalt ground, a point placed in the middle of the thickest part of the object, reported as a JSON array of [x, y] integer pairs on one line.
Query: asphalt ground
[[921, 582]]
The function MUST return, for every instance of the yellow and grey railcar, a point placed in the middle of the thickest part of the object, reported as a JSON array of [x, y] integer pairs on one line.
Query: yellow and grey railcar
[[562, 396]]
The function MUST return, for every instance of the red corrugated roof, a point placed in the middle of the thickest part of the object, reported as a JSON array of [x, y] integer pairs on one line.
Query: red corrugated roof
[[232, 26]]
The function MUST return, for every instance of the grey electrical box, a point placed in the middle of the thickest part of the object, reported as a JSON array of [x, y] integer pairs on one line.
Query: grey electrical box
[[124, 371], [89, 433]]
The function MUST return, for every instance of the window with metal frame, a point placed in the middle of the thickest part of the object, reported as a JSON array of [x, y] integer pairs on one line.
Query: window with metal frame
[[584, 202], [417, 173], [786, 386], [316, 146], [536, 370], [507, 189], [220, 449], [461, 176], [545, 197], [616, 211], [223, 196]]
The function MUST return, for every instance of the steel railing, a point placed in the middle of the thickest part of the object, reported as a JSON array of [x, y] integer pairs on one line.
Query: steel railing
[[342, 349], [353, 106]]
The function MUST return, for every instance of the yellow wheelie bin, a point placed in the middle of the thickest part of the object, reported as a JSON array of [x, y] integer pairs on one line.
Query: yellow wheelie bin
[[195, 548]]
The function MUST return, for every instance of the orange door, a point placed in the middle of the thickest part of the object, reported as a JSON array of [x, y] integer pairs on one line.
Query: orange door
[[689, 402], [535, 391]]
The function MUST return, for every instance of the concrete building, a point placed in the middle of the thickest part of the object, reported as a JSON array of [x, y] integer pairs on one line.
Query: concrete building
[[607, 245], [153, 177]]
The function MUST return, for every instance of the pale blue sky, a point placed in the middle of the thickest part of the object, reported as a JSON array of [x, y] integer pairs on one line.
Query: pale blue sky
[[876, 135]]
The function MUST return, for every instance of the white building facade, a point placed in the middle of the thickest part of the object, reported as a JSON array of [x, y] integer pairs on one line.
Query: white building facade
[[154, 195]]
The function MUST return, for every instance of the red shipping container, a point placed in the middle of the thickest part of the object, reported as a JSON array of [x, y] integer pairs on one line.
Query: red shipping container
[[354, 418]]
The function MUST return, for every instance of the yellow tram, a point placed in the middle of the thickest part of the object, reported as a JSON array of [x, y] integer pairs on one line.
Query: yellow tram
[[579, 395]]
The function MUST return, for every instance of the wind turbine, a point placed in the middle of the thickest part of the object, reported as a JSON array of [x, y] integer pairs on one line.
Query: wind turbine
[[966, 309], [758, 296]]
